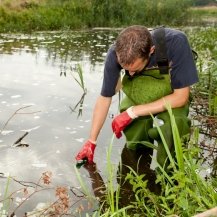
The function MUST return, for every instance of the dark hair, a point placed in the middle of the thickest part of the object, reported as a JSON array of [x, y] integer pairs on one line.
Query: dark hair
[[132, 43]]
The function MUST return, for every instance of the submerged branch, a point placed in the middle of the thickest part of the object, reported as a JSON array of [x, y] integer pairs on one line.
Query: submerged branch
[[20, 139], [15, 113]]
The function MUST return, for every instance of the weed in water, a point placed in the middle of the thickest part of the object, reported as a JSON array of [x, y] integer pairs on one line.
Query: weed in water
[[184, 191]]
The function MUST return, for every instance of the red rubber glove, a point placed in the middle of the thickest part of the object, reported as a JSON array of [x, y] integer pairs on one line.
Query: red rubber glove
[[87, 151], [121, 121]]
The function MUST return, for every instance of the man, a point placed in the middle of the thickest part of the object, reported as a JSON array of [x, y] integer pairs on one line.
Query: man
[[134, 51]]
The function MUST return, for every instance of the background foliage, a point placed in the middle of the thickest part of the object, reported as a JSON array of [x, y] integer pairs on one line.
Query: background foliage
[[30, 15]]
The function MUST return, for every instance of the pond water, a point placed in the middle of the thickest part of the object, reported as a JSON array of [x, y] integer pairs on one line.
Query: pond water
[[38, 93], [37, 80]]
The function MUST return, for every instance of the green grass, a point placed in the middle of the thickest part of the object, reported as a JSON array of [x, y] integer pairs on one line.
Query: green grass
[[6, 200], [203, 40], [75, 14], [184, 191]]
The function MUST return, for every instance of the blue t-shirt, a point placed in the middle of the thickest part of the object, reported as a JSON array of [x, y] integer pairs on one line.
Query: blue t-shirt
[[183, 71]]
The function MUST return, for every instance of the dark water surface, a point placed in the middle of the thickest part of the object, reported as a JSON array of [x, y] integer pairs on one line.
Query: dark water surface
[[30, 69]]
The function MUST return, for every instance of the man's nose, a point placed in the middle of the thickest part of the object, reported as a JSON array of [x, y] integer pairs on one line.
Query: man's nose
[[131, 73]]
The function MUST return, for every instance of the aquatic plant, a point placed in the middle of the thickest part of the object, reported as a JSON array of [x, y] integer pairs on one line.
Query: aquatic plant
[[106, 194], [204, 93], [178, 196], [6, 200], [184, 191], [80, 81]]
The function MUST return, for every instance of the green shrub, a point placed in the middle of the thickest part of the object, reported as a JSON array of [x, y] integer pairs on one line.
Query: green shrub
[[68, 14]]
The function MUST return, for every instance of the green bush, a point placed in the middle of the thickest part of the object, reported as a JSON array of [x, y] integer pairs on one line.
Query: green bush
[[70, 14]]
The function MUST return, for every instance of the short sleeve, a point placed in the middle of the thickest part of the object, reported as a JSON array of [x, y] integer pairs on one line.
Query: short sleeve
[[183, 72], [111, 74]]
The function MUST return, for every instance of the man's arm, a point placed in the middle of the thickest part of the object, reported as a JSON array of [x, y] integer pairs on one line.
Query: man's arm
[[99, 115], [177, 99]]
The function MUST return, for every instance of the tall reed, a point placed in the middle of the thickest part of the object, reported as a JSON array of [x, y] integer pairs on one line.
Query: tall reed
[[184, 191], [68, 14], [6, 201]]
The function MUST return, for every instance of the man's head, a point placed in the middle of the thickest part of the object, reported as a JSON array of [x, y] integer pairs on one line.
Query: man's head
[[133, 47]]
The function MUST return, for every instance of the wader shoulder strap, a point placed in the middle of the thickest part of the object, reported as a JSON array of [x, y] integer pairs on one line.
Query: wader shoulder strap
[[161, 50]]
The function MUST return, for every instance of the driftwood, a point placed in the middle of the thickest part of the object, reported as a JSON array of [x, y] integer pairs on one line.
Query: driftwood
[[209, 213]]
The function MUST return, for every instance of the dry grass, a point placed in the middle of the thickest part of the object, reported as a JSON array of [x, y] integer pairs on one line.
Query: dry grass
[[205, 8], [19, 4]]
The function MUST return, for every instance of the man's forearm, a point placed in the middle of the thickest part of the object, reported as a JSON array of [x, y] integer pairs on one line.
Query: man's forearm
[[99, 115], [177, 99]]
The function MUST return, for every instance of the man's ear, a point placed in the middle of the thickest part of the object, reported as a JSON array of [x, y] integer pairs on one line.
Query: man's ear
[[152, 50]]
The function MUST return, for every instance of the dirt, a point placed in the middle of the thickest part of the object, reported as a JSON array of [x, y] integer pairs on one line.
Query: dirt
[[19, 4]]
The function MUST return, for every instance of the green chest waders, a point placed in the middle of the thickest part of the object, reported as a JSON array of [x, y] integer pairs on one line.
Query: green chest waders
[[146, 88]]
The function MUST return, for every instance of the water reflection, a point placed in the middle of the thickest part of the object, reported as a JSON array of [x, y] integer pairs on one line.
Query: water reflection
[[138, 161], [64, 46], [30, 68]]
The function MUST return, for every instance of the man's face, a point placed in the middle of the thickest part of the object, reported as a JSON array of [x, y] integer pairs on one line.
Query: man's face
[[136, 67]]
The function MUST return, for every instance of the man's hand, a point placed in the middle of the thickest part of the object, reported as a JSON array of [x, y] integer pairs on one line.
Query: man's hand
[[87, 151], [121, 121]]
